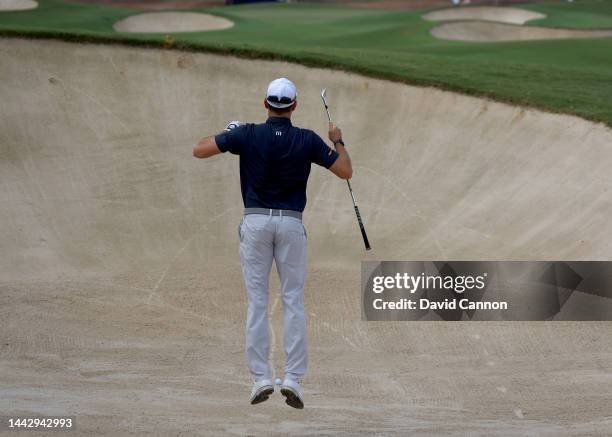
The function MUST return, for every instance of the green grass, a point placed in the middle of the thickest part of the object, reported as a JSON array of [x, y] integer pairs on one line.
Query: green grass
[[589, 14], [570, 76]]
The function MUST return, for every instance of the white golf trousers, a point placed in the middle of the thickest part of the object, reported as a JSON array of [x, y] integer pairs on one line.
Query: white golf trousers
[[264, 238]]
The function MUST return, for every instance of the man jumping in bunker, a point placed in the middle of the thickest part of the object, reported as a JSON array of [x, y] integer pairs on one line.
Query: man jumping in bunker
[[275, 160]]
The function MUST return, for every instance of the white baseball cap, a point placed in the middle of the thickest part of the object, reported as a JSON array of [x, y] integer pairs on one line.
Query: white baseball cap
[[281, 93]]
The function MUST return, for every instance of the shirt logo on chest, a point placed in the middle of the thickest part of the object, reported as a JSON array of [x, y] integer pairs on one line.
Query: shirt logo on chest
[[278, 133]]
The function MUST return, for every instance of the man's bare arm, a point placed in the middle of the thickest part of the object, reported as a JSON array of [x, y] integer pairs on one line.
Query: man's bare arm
[[206, 148], [342, 167]]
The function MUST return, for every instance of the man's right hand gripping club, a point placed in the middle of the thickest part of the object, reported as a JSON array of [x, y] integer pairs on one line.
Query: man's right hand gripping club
[[342, 167]]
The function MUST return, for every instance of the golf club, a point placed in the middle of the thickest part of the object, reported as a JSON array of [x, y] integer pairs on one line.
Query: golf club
[[361, 227]]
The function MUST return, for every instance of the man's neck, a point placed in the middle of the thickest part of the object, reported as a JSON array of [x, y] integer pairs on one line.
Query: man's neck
[[274, 114]]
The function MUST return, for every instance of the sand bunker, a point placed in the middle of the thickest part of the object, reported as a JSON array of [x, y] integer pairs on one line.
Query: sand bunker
[[121, 294], [17, 5], [171, 22], [480, 31], [484, 13]]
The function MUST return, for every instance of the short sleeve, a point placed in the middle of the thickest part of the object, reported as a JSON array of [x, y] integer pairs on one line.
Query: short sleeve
[[232, 141], [322, 154]]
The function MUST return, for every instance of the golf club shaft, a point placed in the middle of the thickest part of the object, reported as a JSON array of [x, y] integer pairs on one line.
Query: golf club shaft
[[366, 242]]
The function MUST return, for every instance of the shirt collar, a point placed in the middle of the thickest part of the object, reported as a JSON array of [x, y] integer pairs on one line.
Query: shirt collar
[[278, 120]]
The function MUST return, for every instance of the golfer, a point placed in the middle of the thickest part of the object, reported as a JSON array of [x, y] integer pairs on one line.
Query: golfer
[[275, 159]]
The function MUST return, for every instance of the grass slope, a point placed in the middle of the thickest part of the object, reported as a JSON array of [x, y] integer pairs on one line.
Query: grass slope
[[571, 76], [581, 14]]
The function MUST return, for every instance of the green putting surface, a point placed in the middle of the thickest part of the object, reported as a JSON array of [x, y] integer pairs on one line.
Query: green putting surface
[[570, 76]]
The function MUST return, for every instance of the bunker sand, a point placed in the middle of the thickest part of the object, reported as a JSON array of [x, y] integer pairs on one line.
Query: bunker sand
[[171, 22], [480, 31], [121, 298], [17, 5], [484, 13]]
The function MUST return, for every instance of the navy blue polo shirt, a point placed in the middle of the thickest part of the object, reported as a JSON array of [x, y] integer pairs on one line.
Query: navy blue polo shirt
[[275, 159]]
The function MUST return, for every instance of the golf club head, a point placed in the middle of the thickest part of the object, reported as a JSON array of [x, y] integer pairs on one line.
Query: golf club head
[[323, 97]]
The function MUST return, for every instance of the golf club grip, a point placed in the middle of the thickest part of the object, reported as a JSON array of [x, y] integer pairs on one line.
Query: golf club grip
[[362, 228]]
